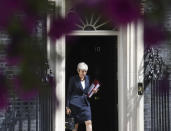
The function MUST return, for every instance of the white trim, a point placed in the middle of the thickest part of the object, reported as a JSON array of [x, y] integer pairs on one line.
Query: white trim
[[60, 82], [140, 74], [95, 33], [122, 78], [130, 56], [60, 75]]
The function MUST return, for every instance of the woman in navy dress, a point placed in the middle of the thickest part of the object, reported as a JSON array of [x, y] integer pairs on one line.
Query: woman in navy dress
[[77, 103]]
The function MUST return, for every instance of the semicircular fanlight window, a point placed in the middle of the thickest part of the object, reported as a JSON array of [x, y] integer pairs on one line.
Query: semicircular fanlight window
[[90, 19]]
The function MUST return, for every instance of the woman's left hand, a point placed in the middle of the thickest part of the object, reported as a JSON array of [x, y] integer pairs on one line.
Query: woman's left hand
[[95, 90]]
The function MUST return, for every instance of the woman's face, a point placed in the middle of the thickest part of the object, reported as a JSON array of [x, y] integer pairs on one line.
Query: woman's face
[[82, 73]]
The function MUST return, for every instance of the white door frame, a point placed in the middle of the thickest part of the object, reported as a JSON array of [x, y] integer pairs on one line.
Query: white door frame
[[60, 72], [130, 54]]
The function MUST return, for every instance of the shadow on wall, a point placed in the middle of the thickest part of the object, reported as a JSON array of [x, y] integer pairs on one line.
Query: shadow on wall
[[134, 101]]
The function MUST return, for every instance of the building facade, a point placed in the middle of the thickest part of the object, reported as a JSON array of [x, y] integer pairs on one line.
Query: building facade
[[124, 64]]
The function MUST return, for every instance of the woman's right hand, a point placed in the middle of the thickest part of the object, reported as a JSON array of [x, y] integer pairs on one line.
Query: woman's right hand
[[68, 110]]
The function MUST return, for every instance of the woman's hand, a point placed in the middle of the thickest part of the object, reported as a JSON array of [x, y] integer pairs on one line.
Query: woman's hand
[[68, 110], [95, 90]]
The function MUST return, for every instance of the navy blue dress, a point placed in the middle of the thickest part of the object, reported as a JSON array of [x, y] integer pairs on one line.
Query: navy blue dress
[[77, 99]]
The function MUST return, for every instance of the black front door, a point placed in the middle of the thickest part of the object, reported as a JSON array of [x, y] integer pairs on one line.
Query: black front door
[[100, 54]]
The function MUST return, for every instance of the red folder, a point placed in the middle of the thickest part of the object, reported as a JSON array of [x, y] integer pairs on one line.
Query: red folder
[[95, 85]]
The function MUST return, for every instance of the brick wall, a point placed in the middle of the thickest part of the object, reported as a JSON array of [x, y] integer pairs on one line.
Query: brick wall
[[165, 53]]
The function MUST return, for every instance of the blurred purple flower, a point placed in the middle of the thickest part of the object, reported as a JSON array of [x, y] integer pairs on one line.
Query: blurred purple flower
[[23, 93], [92, 3], [58, 28], [29, 23], [3, 93], [27, 95], [11, 61], [12, 51], [153, 35], [62, 26], [122, 12], [7, 9], [51, 81]]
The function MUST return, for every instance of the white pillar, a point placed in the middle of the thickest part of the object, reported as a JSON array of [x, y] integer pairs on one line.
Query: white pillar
[[56, 58], [130, 71], [140, 74], [122, 78], [60, 85]]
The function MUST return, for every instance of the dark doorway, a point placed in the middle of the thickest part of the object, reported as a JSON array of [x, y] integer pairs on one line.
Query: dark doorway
[[100, 53]]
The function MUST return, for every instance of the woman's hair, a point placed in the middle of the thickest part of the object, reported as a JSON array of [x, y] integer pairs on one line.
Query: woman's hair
[[82, 66]]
